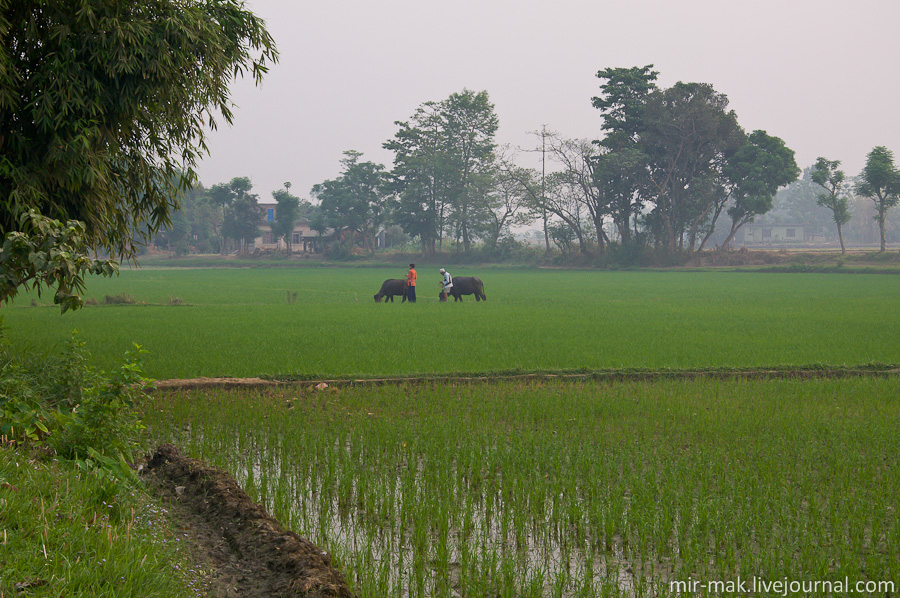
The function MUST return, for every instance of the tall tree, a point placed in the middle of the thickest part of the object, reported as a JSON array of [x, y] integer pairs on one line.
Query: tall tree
[[827, 174], [880, 181], [688, 134], [756, 172], [418, 177], [620, 178], [356, 201], [104, 104], [623, 102], [622, 164], [469, 127], [287, 211], [242, 212], [443, 162]]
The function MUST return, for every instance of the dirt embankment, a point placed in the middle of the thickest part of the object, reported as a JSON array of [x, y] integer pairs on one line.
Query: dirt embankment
[[252, 555]]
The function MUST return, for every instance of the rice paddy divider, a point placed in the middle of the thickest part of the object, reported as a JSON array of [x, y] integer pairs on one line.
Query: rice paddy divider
[[624, 375]]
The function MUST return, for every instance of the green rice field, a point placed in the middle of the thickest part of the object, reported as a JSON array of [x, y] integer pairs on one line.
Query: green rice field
[[323, 322], [566, 488], [439, 487]]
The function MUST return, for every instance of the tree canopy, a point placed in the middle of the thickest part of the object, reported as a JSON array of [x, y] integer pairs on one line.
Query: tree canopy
[[676, 157], [105, 107], [443, 168], [827, 174], [357, 200], [880, 181]]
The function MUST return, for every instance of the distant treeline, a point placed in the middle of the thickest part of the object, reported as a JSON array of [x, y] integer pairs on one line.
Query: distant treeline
[[674, 173]]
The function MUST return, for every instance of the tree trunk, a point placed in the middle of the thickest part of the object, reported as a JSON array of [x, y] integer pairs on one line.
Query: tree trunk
[[735, 227], [841, 237]]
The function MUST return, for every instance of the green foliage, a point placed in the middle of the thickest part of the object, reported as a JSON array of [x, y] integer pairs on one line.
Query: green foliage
[[241, 211], [355, 204], [631, 254], [827, 175], [442, 168], [624, 97], [679, 156], [105, 106], [45, 252], [880, 181], [62, 403], [286, 213], [756, 171]]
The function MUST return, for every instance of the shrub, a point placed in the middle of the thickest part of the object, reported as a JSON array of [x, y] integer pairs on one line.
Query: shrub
[[120, 299], [62, 404]]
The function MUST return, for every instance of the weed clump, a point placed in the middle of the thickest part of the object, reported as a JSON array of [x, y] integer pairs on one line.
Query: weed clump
[[120, 299]]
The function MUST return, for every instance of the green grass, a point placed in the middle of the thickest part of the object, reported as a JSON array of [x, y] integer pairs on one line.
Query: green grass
[[238, 322], [568, 488], [63, 533]]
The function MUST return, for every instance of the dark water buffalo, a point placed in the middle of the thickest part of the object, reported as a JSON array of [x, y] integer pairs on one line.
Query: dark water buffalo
[[391, 287], [467, 285]]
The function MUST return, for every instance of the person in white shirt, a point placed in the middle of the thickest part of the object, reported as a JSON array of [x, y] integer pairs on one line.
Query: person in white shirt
[[447, 282]]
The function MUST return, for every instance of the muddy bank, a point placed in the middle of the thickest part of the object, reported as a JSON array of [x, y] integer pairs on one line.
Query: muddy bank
[[251, 553]]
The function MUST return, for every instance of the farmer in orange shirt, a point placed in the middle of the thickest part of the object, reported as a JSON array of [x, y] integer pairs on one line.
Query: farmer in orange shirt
[[411, 284]]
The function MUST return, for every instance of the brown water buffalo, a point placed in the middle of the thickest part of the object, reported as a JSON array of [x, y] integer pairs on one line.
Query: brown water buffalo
[[391, 287], [467, 285]]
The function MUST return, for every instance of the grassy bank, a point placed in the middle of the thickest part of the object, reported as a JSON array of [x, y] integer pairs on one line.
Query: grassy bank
[[65, 532]]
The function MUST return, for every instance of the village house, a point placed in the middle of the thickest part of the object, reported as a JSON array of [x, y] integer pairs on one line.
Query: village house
[[773, 234], [303, 239]]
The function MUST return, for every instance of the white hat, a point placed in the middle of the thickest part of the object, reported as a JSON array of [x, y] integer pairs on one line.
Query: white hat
[[442, 270]]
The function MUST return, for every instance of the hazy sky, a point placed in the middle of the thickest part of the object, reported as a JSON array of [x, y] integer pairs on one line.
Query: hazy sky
[[824, 75]]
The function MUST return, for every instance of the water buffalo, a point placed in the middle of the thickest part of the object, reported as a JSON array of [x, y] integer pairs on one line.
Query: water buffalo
[[467, 285], [391, 287]]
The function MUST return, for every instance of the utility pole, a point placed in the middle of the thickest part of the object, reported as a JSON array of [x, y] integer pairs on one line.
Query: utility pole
[[543, 190], [543, 133]]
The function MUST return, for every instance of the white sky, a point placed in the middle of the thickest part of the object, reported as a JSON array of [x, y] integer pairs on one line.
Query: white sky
[[824, 75]]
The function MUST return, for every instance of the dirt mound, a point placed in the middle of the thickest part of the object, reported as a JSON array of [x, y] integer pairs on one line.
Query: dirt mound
[[742, 257], [252, 554]]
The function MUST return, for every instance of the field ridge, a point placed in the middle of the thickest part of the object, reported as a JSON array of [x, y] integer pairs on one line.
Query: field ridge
[[617, 375]]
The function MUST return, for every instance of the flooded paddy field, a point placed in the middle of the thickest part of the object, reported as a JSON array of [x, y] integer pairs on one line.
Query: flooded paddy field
[[566, 488]]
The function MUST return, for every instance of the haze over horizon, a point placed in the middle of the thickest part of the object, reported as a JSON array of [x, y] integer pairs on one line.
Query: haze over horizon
[[820, 75]]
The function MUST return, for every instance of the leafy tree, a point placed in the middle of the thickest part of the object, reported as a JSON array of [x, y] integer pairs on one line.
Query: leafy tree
[[675, 158], [622, 164], [287, 212], [418, 176], [469, 128], [624, 101], [356, 201], [880, 181], [194, 224], [688, 135], [443, 164], [562, 236], [620, 177], [756, 171], [827, 175], [104, 104], [241, 212]]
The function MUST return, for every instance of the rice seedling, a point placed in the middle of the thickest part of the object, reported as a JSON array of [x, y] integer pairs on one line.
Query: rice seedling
[[569, 488], [233, 322]]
